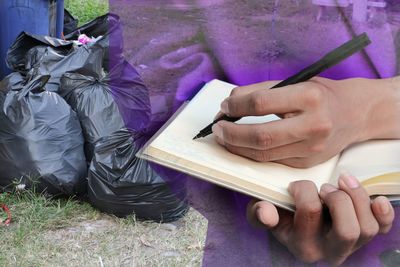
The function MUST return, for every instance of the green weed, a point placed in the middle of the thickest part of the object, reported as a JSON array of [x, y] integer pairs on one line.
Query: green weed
[[87, 10]]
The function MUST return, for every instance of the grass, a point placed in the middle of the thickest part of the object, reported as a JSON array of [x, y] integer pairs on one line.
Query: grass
[[67, 232], [87, 10], [32, 214]]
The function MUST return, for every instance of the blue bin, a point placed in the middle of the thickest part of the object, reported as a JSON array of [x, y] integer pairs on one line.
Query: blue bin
[[60, 18], [43, 17]]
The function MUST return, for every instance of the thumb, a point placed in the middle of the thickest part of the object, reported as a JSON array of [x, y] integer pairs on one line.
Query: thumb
[[262, 214]]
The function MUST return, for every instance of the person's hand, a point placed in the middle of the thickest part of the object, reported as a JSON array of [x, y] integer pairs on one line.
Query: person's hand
[[321, 117], [311, 236]]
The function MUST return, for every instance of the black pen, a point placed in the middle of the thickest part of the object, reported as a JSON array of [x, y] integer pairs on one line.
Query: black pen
[[332, 58]]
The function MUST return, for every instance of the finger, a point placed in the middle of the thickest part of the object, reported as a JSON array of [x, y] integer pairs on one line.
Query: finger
[[261, 136], [275, 154], [283, 100], [219, 115], [308, 220], [308, 216], [369, 226], [283, 230], [345, 231], [302, 162], [291, 115], [262, 214], [243, 90], [384, 213]]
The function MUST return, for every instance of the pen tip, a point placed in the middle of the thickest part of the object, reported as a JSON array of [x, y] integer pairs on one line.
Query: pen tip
[[196, 137]]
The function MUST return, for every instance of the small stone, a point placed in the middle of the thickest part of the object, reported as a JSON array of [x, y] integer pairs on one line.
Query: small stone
[[171, 254], [20, 187], [169, 227]]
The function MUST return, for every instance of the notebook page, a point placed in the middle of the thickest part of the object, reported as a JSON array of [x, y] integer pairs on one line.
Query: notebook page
[[176, 139], [369, 159]]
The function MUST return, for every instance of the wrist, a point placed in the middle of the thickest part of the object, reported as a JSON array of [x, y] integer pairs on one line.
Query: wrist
[[383, 114]]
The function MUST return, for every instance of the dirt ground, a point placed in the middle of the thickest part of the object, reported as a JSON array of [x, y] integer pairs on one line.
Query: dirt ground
[[108, 241]]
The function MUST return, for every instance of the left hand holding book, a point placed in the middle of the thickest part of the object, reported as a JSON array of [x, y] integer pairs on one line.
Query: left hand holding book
[[310, 235]]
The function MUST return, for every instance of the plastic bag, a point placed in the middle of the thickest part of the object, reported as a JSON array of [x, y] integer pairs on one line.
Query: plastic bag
[[122, 184], [16, 54], [119, 182], [109, 27], [48, 61], [13, 82], [41, 139], [93, 99], [35, 55], [70, 23], [95, 106]]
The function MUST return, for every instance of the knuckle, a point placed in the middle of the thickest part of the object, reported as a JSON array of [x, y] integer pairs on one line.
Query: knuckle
[[322, 128], [313, 96], [262, 156], [348, 236], [313, 209], [385, 229], [317, 148], [263, 139], [369, 231], [257, 103]]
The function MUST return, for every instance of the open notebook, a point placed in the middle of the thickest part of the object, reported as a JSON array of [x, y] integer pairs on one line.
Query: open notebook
[[375, 163]]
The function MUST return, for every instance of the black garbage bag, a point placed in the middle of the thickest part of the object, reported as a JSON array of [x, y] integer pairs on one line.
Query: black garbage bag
[[35, 55], [109, 27], [13, 82], [16, 54], [41, 139], [48, 61], [95, 106], [122, 184], [104, 104], [70, 23]]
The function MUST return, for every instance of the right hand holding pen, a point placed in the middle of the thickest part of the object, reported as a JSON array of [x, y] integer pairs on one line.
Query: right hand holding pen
[[321, 117]]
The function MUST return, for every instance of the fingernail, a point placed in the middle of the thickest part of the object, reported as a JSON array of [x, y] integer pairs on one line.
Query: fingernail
[[217, 130], [384, 206], [326, 189], [224, 107], [349, 180]]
